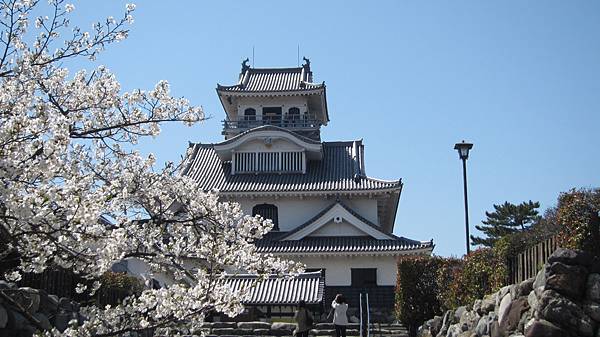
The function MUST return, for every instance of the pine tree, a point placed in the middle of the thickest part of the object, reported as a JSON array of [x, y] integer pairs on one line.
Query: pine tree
[[506, 218]]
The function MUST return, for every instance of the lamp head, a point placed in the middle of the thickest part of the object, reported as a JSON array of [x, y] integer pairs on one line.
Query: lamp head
[[463, 149]]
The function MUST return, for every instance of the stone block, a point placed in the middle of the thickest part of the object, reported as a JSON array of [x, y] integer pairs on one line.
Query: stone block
[[525, 287], [283, 326], [571, 257], [544, 328], [222, 331], [3, 317], [592, 309], [504, 307], [563, 312], [253, 325], [511, 320], [567, 280], [592, 292]]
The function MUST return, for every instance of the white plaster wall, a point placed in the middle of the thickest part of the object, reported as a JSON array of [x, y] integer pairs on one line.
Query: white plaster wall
[[338, 229], [293, 211], [337, 268], [277, 145], [259, 102]]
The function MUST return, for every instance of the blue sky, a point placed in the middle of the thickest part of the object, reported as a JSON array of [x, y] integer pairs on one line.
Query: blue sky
[[519, 79]]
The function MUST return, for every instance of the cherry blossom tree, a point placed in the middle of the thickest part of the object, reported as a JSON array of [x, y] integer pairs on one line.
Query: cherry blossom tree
[[68, 159]]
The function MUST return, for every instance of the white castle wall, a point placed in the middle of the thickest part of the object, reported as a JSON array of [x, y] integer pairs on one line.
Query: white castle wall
[[337, 268], [294, 211]]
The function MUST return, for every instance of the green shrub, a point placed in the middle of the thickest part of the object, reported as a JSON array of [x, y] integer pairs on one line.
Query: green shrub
[[416, 290], [447, 273], [577, 214], [483, 273]]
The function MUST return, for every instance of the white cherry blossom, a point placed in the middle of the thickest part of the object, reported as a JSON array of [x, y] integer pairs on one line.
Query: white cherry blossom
[[74, 192]]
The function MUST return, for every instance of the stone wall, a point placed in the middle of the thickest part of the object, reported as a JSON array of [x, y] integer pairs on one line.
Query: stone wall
[[563, 300], [21, 307]]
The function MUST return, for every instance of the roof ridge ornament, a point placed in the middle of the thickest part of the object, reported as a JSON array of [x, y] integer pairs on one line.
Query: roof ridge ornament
[[245, 65], [306, 62]]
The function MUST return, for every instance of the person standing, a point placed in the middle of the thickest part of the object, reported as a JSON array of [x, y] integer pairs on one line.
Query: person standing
[[304, 320], [340, 320]]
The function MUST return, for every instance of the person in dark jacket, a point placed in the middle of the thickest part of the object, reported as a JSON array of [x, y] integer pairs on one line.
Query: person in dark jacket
[[303, 319]]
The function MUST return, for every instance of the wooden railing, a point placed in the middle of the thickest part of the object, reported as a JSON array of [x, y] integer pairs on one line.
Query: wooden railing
[[527, 263]]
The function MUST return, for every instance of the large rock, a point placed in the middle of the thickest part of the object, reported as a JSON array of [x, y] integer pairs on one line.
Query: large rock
[[540, 278], [504, 307], [564, 312], [468, 320], [28, 298], [510, 322], [567, 280], [446, 322], [44, 321], [532, 300], [544, 328], [49, 304], [3, 317], [65, 304], [421, 333], [454, 330], [483, 327], [525, 287], [435, 324], [254, 325], [487, 304], [593, 288], [592, 309], [571, 257], [459, 312]]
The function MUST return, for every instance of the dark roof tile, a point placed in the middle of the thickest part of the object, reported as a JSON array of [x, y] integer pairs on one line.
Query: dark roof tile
[[346, 244], [307, 286], [337, 171]]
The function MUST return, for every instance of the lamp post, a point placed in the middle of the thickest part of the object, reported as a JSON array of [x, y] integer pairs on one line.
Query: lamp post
[[463, 153]]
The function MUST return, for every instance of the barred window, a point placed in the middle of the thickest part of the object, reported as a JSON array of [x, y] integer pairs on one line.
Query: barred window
[[267, 211]]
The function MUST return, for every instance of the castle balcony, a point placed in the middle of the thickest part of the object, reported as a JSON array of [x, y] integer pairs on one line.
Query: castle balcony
[[293, 123]]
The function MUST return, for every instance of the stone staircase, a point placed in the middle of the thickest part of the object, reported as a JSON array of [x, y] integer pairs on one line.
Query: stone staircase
[[233, 329]]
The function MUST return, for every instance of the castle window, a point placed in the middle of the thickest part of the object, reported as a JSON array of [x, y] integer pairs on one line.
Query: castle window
[[293, 116], [272, 115], [267, 211], [250, 114]]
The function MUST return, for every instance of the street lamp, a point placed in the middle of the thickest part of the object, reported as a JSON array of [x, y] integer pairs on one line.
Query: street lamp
[[463, 153]]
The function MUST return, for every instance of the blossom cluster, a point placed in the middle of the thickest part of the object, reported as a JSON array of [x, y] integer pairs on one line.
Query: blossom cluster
[[74, 192]]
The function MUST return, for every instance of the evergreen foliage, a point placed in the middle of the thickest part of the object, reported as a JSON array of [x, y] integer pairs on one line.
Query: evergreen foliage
[[507, 218]]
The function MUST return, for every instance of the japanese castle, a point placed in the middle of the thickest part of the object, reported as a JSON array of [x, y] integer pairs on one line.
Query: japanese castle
[[327, 213]]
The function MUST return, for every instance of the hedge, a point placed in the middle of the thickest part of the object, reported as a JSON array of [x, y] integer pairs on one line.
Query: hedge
[[428, 286], [578, 217]]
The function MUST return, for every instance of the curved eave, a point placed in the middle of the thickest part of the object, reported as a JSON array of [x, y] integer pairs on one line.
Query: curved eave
[[413, 251], [267, 193], [238, 90]]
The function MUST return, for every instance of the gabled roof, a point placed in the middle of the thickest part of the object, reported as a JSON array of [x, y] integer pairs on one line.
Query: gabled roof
[[341, 169], [343, 244], [325, 216], [273, 80], [288, 290]]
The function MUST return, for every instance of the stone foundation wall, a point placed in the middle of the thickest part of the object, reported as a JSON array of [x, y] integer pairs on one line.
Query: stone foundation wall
[[47, 310], [563, 300]]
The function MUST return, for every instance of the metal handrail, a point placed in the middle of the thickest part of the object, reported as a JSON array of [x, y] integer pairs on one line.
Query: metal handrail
[[293, 121]]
